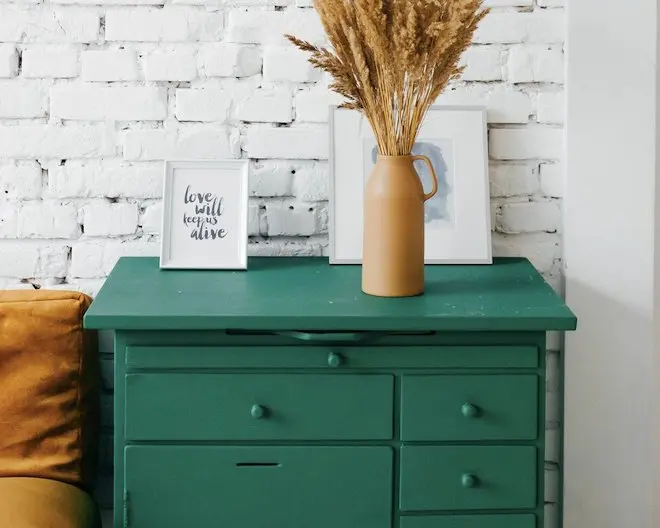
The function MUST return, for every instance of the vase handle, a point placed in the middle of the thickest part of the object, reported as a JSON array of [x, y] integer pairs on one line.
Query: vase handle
[[434, 190]]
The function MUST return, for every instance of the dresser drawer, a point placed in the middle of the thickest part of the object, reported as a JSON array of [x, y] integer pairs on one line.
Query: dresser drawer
[[258, 407], [470, 521], [468, 477], [257, 487], [474, 407]]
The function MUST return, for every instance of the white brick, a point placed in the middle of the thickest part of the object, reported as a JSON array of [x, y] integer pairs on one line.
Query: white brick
[[170, 66], [50, 62], [527, 143], [552, 180], [48, 220], [43, 24], [230, 60], [9, 219], [482, 63], [22, 99], [552, 3], [269, 27], [94, 259], [110, 2], [507, 179], [313, 106], [210, 104], [96, 103], [149, 144], [528, 64], [311, 182], [545, 27], [20, 180], [170, 24], [503, 104], [110, 219], [55, 142], [551, 107], [529, 217], [286, 63], [291, 219], [284, 248], [207, 142], [542, 249], [275, 106], [109, 65], [272, 178], [254, 219], [292, 143], [31, 259], [106, 179], [508, 3], [8, 61], [152, 218]]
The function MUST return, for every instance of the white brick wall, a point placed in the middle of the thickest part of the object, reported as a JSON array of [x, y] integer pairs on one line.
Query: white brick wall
[[94, 94]]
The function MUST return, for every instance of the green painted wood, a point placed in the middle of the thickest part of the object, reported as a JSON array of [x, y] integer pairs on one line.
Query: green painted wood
[[256, 487], [470, 521], [295, 407], [432, 477], [283, 357], [309, 294], [479, 407]]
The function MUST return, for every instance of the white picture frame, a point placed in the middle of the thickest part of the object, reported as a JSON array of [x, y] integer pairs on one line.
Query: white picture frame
[[205, 215], [458, 219]]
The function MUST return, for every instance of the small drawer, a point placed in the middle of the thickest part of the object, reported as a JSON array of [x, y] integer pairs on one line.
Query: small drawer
[[468, 478], [470, 521], [471, 407], [187, 406], [254, 487]]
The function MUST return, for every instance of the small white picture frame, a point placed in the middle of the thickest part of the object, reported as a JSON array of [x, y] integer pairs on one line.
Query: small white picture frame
[[457, 219], [205, 215]]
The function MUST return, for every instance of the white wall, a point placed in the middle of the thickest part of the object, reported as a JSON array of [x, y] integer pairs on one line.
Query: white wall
[[609, 264]]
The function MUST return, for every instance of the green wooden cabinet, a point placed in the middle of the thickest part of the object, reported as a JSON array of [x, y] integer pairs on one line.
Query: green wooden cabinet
[[283, 397]]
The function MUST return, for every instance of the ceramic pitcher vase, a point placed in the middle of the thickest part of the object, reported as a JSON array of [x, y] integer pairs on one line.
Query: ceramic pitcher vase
[[393, 244]]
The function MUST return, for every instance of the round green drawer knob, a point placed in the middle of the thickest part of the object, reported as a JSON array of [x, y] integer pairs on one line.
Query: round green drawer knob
[[469, 481], [469, 410], [258, 411], [335, 360]]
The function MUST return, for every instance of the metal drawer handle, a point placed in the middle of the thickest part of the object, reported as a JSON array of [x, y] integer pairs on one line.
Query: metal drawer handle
[[258, 412], [469, 480], [350, 337], [335, 360], [470, 411]]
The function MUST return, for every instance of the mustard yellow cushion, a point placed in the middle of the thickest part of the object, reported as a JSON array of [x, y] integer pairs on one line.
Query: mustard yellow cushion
[[49, 388], [43, 503]]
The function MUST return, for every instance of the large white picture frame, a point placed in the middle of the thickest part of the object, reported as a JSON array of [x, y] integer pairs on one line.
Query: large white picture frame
[[458, 219], [205, 215]]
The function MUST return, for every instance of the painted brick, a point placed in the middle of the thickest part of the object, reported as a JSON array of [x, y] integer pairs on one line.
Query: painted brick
[[20, 180], [9, 219], [28, 258], [311, 182], [272, 178], [542, 249], [109, 65], [100, 103], [50, 62], [8, 61], [230, 60], [269, 27], [286, 63], [170, 24], [95, 259], [207, 142], [56, 142], [293, 143], [152, 218], [289, 247], [110, 2], [509, 3], [313, 106], [526, 143], [541, 26], [48, 220], [105, 179], [291, 219], [529, 217], [22, 99], [552, 180], [148, 144], [110, 219], [551, 107], [170, 66], [552, 3], [254, 220], [44, 24], [275, 106], [482, 63], [503, 104], [535, 63], [513, 179], [203, 105]]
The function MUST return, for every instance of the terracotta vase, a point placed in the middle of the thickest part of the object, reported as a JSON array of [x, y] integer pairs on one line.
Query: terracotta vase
[[393, 245]]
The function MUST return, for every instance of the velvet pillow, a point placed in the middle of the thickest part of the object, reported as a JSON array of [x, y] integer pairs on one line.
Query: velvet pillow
[[49, 387]]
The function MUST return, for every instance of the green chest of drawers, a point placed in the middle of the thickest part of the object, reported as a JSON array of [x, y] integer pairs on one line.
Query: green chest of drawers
[[282, 397]]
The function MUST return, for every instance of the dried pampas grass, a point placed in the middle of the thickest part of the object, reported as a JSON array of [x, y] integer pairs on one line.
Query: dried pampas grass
[[391, 59]]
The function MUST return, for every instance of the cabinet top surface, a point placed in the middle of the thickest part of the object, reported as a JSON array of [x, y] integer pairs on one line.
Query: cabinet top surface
[[306, 293]]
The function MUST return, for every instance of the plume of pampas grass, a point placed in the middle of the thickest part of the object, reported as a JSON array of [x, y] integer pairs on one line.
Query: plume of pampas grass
[[391, 59]]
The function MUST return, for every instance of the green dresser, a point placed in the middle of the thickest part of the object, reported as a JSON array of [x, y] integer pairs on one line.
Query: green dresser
[[283, 397]]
